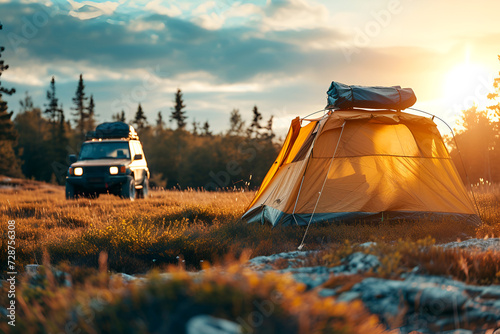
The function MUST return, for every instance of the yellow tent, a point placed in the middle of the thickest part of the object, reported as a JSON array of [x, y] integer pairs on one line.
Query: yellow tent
[[360, 164]]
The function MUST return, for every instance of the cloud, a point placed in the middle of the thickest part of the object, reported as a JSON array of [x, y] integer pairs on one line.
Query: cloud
[[279, 54], [294, 15], [157, 6], [89, 9]]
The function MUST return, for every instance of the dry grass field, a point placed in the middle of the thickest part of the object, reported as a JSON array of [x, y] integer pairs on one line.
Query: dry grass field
[[180, 232], [198, 226]]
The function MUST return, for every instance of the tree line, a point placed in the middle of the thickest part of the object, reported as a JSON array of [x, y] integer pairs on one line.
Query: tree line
[[181, 158]]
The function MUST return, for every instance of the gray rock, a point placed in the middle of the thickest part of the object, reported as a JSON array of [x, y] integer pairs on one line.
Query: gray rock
[[3, 311], [442, 302], [348, 296], [265, 262], [491, 292], [357, 263], [327, 292], [205, 324], [458, 331], [475, 244], [31, 269], [311, 280]]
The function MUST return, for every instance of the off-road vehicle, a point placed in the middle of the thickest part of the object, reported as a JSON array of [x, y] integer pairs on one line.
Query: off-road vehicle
[[111, 160]]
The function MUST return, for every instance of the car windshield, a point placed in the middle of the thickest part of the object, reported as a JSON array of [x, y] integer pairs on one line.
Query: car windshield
[[105, 150]]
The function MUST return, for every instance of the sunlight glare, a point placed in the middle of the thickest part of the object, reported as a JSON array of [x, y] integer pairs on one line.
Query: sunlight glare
[[467, 84]]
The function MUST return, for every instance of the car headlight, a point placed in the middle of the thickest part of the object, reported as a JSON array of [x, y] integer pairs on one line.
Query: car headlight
[[78, 171], [113, 170]]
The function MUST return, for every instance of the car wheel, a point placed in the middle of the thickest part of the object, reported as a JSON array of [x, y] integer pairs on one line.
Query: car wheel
[[70, 191], [128, 189], [144, 192]]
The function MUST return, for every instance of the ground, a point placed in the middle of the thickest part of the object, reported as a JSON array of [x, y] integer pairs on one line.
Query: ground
[[188, 249]]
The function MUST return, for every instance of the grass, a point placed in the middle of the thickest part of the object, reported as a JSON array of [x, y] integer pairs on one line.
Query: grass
[[176, 233], [197, 226], [268, 303]]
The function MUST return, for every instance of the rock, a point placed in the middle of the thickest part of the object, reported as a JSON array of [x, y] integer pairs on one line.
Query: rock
[[31, 269], [357, 263], [475, 244], [265, 262], [311, 280], [348, 296], [491, 292], [459, 331], [205, 324], [127, 277], [327, 292], [368, 244], [439, 301]]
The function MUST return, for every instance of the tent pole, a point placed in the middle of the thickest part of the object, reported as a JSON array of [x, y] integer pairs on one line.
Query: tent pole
[[314, 113], [322, 187]]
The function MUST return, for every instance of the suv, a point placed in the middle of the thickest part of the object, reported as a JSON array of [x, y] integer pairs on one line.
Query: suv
[[111, 160]]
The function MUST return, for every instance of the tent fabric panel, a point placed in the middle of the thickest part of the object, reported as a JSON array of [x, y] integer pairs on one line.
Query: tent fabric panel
[[361, 138], [337, 118], [293, 132], [302, 138], [384, 183], [275, 217], [430, 143], [281, 193]]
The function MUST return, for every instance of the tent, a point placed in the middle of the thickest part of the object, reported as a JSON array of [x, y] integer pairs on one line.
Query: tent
[[361, 164]]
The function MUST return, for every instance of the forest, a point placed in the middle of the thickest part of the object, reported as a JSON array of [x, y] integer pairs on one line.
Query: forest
[[42, 139]]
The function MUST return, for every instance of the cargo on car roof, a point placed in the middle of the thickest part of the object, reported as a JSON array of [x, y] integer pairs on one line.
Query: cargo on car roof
[[111, 130]]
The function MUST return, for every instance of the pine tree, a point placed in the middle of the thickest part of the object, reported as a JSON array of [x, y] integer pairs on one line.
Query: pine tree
[[140, 120], [58, 140], [206, 129], [255, 125], [90, 124], [27, 103], [52, 108], [236, 123], [160, 124], [119, 117], [11, 164], [195, 127], [269, 134], [7, 131], [80, 109], [178, 114]]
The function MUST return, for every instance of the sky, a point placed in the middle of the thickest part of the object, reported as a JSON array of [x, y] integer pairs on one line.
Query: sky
[[280, 55]]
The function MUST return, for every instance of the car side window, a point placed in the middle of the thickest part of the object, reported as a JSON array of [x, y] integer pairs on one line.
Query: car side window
[[132, 149], [138, 148]]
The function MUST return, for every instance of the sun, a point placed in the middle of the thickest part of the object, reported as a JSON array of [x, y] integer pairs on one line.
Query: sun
[[467, 84]]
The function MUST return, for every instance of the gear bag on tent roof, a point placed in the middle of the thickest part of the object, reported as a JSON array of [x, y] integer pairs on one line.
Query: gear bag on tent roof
[[344, 97]]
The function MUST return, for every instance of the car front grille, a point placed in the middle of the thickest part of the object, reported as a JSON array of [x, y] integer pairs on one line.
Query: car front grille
[[93, 170]]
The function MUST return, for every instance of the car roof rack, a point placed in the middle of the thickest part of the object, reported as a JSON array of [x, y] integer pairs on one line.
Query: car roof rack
[[113, 130]]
